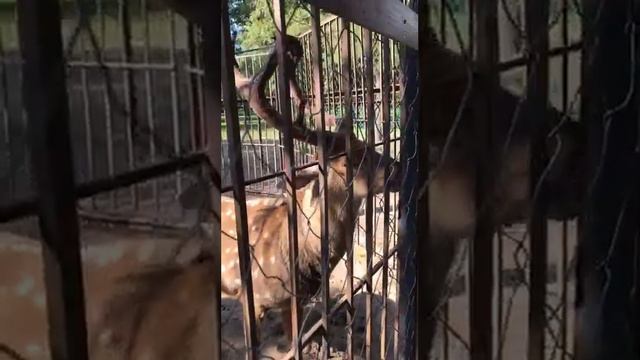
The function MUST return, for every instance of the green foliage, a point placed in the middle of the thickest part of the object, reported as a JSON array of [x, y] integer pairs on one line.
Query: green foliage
[[260, 28], [239, 11]]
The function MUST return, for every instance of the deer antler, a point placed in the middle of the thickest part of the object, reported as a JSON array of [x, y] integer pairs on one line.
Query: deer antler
[[253, 91]]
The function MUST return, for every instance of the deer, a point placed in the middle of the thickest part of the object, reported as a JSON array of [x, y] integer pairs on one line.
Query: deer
[[268, 226]]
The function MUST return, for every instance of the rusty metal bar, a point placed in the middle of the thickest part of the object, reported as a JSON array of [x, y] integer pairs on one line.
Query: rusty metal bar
[[94, 187], [564, 343], [175, 99], [443, 21], [390, 18], [129, 88], [346, 79], [536, 19], [46, 104], [386, 128], [527, 59], [6, 122], [369, 225], [86, 104], [211, 45], [119, 65], [500, 294], [605, 271], [194, 108], [150, 99], [107, 102], [318, 87], [410, 120], [425, 264], [481, 260], [237, 176], [289, 166]]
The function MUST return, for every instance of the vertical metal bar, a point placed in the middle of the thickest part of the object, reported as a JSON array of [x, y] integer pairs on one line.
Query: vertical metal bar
[[408, 243], [386, 126], [6, 121], [354, 76], [86, 102], [327, 68], [394, 97], [46, 104], [107, 105], [346, 79], [500, 293], [322, 156], [425, 306], [199, 86], [175, 99], [471, 27], [331, 61], [211, 46], [536, 18], [371, 137], [192, 80], [288, 160], [131, 101], [481, 263], [150, 102], [565, 241], [443, 21], [237, 176], [605, 259]]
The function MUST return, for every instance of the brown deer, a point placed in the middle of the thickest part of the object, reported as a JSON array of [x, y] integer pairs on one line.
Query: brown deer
[[150, 293]]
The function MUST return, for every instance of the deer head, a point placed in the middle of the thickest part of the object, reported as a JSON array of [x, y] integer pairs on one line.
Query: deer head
[[253, 91]]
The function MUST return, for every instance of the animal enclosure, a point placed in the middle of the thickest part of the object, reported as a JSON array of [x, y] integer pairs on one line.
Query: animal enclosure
[[337, 194]]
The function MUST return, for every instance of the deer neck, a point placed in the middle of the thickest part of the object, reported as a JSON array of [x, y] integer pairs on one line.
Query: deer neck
[[341, 222]]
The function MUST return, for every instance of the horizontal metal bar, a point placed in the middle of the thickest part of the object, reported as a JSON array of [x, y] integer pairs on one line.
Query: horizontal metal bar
[[526, 59], [29, 206], [281, 173], [127, 220], [121, 65]]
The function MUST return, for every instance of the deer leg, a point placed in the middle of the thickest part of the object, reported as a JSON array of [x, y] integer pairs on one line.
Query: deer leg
[[286, 327], [440, 256]]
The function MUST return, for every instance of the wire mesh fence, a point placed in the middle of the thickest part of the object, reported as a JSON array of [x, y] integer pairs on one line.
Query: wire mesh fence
[[313, 193]]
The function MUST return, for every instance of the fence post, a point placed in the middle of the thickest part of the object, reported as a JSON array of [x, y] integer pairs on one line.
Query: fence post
[[537, 43], [289, 167], [481, 259], [46, 103], [425, 309], [606, 268], [211, 46], [239, 195], [408, 210]]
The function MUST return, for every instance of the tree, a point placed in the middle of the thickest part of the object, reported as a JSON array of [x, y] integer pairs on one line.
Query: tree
[[259, 28], [239, 11]]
